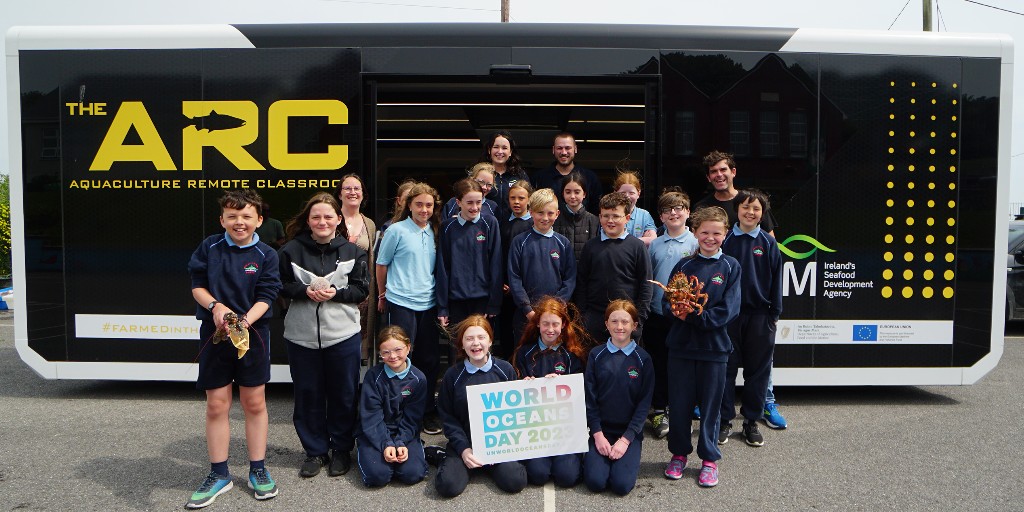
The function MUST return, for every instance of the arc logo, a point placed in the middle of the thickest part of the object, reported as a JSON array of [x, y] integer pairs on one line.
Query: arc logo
[[251, 267], [633, 372], [226, 126]]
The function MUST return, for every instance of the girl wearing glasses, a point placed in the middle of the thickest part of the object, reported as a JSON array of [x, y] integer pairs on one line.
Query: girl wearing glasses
[[641, 224], [391, 408], [483, 175]]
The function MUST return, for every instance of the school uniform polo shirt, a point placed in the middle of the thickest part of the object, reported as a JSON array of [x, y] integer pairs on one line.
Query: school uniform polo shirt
[[409, 253]]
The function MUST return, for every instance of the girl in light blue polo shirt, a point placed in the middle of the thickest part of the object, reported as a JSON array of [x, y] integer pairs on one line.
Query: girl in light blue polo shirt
[[405, 276]]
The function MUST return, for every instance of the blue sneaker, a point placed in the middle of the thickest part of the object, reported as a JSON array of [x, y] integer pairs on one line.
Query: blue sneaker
[[213, 486], [262, 485], [773, 418]]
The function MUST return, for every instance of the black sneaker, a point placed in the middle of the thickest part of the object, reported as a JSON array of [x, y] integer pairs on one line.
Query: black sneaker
[[311, 466], [432, 424], [341, 462], [434, 455], [751, 435], [659, 424], [723, 433]]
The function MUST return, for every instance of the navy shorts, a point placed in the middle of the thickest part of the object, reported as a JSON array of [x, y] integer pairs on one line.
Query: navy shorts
[[219, 364]]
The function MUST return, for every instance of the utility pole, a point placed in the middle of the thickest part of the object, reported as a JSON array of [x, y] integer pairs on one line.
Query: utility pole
[[504, 11], [926, 7]]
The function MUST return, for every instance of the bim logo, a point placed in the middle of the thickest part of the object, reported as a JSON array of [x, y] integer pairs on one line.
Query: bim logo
[[807, 281], [815, 245]]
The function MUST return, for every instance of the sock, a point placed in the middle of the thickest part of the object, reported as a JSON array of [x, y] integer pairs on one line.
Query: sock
[[221, 468], [256, 464]]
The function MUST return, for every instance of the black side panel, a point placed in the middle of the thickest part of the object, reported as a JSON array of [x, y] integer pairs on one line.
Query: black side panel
[[116, 238]]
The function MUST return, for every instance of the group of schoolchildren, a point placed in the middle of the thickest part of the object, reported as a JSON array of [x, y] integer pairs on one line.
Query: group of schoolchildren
[[569, 291]]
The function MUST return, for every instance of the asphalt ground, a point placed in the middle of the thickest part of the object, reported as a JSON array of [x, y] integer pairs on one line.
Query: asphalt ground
[[95, 445]]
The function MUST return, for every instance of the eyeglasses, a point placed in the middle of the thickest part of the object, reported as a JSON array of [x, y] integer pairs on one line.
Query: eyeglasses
[[612, 216], [351, 189], [484, 184], [674, 209], [384, 354]]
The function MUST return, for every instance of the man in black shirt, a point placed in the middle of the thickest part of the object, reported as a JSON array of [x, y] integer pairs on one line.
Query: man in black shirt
[[564, 150], [721, 171]]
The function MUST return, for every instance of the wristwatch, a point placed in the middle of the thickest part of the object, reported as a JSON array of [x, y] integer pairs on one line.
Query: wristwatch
[[212, 305]]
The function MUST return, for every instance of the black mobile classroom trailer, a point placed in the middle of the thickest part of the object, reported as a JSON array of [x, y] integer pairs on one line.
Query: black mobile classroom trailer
[[886, 156]]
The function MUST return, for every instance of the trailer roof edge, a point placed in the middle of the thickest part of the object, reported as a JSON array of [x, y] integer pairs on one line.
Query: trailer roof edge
[[933, 44], [124, 37]]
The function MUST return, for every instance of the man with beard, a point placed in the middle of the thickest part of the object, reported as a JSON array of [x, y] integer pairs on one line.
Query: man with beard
[[564, 149]]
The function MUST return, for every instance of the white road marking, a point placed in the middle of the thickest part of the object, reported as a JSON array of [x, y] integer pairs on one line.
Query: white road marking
[[549, 497]]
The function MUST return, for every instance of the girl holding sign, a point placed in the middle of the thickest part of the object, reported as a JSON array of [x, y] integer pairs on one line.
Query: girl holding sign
[[476, 366], [552, 345], [619, 381], [394, 398]]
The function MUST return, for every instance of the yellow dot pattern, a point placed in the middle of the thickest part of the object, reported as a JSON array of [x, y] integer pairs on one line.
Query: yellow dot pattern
[[921, 135]]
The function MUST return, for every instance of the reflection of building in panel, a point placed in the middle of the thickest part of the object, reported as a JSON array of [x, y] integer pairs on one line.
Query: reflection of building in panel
[[767, 116]]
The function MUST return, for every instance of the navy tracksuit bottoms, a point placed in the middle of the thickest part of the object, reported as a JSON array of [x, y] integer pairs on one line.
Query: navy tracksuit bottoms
[[325, 383], [377, 473], [695, 382], [753, 345], [600, 472]]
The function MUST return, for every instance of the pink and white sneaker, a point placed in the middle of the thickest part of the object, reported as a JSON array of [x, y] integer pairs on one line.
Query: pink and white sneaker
[[674, 470], [708, 474]]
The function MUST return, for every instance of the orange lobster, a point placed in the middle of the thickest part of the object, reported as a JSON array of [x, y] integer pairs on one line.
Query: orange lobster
[[685, 293]]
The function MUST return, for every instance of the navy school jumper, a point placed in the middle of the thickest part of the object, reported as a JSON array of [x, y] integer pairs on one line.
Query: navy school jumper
[[540, 265], [391, 413], [453, 407], [531, 360], [619, 388], [753, 332], [698, 349], [469, 265]]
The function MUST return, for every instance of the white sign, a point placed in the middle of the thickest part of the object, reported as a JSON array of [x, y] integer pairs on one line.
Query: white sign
[[526, 419], [155, 327], [864, 332]]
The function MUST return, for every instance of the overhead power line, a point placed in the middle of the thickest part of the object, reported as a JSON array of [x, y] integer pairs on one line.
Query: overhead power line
[[898, 15], [942, 21], [994, 7]]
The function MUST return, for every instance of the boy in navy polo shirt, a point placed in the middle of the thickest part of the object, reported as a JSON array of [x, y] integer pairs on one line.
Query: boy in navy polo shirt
[[753, 332], [699, 347], [233, 272]]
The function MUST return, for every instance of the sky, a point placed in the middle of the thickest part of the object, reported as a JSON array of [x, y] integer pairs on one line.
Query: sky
[[898, 15]]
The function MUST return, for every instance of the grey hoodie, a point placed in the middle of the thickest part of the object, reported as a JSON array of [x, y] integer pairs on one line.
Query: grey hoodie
[[318, 325]]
